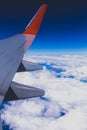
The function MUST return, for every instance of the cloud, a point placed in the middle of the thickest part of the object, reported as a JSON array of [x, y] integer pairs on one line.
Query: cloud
[[64, 106]]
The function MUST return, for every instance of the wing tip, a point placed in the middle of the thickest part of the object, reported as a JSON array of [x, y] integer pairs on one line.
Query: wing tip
[[34, 24], [45, 5]]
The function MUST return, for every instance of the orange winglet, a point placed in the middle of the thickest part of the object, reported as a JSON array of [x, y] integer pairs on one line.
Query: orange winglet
[[34, 25]]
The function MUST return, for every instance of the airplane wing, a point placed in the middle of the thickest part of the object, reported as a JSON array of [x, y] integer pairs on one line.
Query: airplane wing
[[12, 50]]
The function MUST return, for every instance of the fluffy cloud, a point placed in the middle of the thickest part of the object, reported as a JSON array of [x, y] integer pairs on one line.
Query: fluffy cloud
[[64, 106]]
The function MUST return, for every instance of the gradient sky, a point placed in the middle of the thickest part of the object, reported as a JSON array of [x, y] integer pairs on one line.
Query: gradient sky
[[64, 26]]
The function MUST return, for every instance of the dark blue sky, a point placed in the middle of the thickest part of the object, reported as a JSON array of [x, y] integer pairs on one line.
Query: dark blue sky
[[64, 26]]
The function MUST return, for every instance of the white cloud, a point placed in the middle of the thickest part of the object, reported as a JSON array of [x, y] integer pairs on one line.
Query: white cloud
[[64, 106]]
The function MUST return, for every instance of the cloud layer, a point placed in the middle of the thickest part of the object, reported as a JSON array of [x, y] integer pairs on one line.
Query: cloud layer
[[64, 106]]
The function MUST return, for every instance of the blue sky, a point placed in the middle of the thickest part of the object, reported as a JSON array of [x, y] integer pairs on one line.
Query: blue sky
[[64, 26]]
